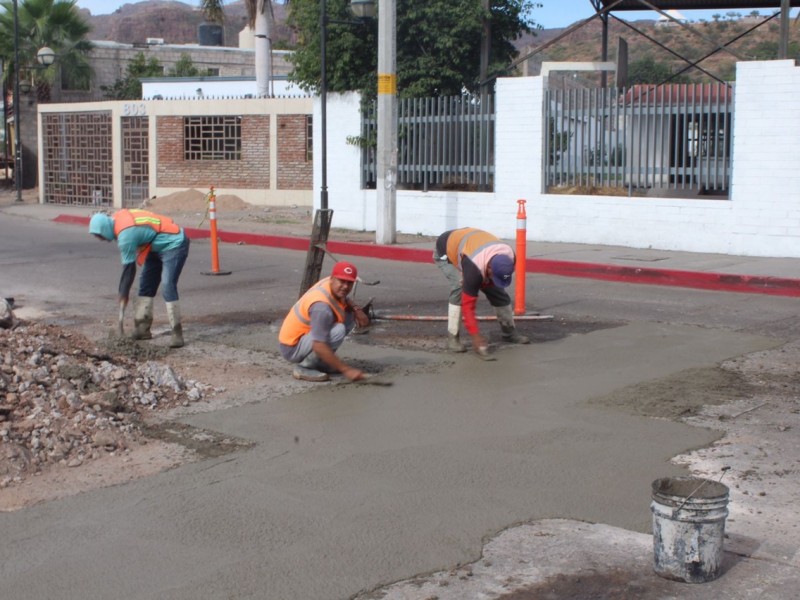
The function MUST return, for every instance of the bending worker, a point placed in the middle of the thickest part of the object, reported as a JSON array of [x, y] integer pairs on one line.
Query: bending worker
[[317, 325], [160, 247], [476, 261]]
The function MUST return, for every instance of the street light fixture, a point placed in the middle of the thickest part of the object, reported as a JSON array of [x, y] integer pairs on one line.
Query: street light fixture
[[45, 56]]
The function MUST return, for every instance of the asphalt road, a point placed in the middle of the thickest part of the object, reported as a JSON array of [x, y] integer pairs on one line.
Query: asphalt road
[[350, 487]]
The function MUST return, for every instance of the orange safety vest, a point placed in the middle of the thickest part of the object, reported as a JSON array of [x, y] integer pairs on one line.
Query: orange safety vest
[[467, 241], [132, 217], [298, 322]]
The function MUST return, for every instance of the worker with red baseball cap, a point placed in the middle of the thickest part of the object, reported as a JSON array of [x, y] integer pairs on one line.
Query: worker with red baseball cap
[[317, 325]]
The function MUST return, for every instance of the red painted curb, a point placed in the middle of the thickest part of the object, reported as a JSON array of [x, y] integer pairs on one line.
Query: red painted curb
[[719, 282]]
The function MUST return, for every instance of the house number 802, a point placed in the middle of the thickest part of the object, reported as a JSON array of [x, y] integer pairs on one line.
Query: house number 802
[[134, 110]]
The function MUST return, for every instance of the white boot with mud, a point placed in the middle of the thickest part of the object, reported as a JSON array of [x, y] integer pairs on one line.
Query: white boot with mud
[[307, 370], [505, 317], [453, 326], [143, 318], [174, 314]]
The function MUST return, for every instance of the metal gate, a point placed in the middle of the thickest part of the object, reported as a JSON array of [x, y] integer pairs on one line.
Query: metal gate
[[646, 136], [135, 161]]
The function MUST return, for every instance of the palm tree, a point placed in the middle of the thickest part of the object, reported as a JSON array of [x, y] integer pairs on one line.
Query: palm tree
[[52, 23], [262, 20], [213, 11]]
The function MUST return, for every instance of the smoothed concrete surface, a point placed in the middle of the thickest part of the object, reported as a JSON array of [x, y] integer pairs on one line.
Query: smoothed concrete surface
[[352, 487]]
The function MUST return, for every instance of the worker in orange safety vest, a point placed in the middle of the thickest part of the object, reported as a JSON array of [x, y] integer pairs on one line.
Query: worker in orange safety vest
[[476, 261], [158, 245], [317, 325]]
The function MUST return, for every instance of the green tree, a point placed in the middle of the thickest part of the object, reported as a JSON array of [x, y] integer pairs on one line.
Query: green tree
[[130, 86], [213, 11], [438, 44], [56, 24], [768, 50], [184, 67]]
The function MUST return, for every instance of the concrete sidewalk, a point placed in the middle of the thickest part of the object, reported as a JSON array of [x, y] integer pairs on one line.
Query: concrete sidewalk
[[718, 272]]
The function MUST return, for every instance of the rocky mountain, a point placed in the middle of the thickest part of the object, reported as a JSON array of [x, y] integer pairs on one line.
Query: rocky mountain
[[174, 22], [178, 22]]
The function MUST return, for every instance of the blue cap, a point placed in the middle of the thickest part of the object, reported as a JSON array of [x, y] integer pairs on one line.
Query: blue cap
[[502, 270], [103, 225]]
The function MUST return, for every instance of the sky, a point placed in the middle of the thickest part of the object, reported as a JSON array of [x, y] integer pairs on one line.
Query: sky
[[554, 13]]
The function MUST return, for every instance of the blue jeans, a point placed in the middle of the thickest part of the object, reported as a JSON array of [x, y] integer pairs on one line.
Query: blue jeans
[[164, 268]]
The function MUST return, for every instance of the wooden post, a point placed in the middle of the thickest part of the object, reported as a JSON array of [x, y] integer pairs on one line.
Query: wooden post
[[315, 256]]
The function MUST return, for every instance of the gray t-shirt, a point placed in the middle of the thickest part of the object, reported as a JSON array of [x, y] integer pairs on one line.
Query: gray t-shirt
[[322, 320]]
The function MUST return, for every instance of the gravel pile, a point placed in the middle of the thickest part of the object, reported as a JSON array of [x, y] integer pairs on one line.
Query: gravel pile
[[64, 401]]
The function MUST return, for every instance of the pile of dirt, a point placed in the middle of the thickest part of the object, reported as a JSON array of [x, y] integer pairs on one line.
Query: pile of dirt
[[64, 401], [195, 201]]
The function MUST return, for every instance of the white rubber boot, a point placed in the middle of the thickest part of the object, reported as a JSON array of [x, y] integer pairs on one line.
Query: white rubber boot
[[143, 318], [174, 314], [308, 369], [506, 319], [453, 326]]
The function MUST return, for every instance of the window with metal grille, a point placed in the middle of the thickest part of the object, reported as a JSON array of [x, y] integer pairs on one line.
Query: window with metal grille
[[212, 138], [309, 138]]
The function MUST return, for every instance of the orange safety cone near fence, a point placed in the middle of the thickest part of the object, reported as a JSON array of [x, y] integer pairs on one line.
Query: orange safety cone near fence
[[522, 251], [211, 211]]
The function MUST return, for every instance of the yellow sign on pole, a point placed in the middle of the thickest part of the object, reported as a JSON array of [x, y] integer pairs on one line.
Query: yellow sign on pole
[[387, 84]]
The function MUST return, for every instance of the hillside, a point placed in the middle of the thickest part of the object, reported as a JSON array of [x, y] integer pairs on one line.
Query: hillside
[[669, 41], [174, 22], [178, 22]]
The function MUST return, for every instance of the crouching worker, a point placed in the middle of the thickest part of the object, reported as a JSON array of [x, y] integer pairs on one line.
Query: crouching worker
[[476, 261], [317, 325], [160, 247]]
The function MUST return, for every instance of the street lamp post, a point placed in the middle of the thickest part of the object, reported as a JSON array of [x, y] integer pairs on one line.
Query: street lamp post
[[322, 218], [17, 144]]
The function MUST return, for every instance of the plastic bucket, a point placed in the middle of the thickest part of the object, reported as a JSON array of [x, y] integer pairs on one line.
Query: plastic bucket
[[688, 528]]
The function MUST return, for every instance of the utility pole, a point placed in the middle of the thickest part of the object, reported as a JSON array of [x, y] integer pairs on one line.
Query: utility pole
[[783, 44], [17, 124], [386, 226]]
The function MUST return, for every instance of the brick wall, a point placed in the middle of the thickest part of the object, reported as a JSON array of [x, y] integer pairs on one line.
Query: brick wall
[[294, 171], [252, 171]]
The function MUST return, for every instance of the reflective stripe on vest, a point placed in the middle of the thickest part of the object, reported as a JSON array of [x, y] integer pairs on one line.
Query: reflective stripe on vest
[[134, 217], [298, 322], [467, 241]]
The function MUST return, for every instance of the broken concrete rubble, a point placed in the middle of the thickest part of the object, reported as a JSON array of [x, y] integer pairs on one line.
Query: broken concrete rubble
[[64, 401]]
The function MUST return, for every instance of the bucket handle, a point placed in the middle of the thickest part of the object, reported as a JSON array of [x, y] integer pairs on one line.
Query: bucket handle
[[675, 511]]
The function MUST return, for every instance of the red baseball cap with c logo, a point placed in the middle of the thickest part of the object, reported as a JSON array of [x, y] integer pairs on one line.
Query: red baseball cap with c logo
[[345, 271]]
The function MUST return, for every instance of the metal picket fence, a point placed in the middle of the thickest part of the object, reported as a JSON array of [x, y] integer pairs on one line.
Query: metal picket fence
[[672, 136], [443, 143]]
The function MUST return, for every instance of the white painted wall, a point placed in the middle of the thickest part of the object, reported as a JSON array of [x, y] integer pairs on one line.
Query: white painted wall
[[761, 218]]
